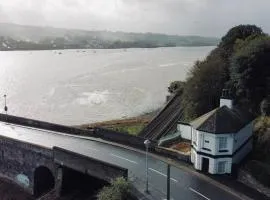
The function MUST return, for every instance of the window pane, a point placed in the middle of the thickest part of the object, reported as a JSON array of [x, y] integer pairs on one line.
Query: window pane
[[223, 143], [221, 166]]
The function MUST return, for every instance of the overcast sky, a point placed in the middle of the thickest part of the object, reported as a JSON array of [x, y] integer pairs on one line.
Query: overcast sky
[[182, 17]]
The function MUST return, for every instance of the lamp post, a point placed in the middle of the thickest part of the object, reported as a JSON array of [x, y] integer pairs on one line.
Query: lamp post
[[147, 144], [6, 108]]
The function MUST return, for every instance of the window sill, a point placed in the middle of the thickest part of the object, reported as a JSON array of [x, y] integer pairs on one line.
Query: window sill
[[206, 149], [223, 151]]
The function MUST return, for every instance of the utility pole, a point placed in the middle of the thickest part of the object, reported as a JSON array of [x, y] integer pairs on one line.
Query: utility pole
[[168, 182]]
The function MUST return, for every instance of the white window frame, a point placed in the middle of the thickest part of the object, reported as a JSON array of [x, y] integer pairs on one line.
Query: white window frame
[[223, 143]]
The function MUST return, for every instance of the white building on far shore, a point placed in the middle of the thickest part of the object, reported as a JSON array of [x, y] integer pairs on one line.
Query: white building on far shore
[[219, 138]]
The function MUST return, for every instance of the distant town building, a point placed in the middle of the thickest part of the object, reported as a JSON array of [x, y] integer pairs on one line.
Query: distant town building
[[219, 138]]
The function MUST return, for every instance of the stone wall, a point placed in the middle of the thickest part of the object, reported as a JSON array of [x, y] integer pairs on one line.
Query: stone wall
[[18, 161], [173, 154], [122, 138]]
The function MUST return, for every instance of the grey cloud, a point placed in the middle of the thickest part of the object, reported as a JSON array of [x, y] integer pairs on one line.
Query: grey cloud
[[196, 17]]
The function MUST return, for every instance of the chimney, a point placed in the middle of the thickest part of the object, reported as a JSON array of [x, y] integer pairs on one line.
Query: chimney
[[226, 99]]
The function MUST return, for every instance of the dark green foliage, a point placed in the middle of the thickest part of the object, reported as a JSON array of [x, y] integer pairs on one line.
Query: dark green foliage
[[231, 65], [265, 106], [119, 190], [176, 87], [204, 85], [262, 139], [240, 32], [250, 73]]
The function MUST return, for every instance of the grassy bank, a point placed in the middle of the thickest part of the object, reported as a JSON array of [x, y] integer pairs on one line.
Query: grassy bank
[[132, 125]]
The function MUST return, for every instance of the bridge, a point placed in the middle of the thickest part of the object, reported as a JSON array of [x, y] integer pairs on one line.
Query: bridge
[[43, 157]]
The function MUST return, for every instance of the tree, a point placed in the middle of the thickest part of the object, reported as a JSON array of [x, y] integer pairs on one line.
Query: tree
[[176, 87], [240, 32], [120, 189], [204, 85], [250, 72]]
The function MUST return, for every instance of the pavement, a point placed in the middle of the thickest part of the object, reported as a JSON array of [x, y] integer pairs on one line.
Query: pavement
[[185, 183]]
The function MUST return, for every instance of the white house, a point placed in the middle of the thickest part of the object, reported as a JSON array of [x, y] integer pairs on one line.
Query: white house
[[219, 138]]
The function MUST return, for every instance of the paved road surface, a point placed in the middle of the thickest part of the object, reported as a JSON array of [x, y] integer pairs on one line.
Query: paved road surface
[[183, 184]]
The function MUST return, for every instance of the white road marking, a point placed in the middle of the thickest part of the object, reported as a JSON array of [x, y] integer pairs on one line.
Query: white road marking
[[160, 173], [198, 193], [124, 158]]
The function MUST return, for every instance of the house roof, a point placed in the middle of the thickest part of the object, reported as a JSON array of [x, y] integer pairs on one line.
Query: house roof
[[222, 120]]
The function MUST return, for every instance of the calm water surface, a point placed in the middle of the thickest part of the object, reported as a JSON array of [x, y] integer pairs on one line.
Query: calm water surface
[[81, 86]]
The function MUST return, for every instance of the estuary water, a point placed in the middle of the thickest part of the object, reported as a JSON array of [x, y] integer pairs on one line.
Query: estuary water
[[82, 86]]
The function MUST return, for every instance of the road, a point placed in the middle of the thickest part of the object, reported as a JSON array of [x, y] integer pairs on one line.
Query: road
[[184, 185]]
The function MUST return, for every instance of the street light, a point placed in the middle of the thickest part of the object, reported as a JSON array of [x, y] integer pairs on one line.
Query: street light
[[147, 144], [6, 108]]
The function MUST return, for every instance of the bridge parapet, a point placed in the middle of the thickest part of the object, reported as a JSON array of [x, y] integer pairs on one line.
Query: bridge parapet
[[18, 161], [93, 167]]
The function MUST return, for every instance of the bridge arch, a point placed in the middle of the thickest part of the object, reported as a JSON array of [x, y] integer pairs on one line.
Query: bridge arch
[[44, 180]]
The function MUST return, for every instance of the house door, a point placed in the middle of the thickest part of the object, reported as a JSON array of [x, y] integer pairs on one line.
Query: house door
[[205, 164]]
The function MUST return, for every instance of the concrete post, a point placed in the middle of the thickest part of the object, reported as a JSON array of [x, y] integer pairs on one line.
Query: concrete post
[[58, 182]]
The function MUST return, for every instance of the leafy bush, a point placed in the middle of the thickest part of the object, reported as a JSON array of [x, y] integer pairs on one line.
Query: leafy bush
[[262, 139], [118, 190], [265, 106]]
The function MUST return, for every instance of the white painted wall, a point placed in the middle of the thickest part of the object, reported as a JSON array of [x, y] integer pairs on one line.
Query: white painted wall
[[226, 102], [242, 136], [194, 138], [185, 131], [211, 142], [213, 163], [228, 167], [192, 156]]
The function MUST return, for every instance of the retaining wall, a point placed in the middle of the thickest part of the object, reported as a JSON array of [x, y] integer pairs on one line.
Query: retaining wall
[[173, 154], [122, 138], [43, 125]]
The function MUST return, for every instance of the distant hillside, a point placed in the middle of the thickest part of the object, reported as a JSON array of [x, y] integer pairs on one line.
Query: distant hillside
[[19, 37]]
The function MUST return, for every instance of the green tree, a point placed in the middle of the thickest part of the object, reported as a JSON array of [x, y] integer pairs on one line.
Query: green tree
[[250, 72], [118, 190], [240, 32], [176, 87], [208, 77], [204, 85]]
